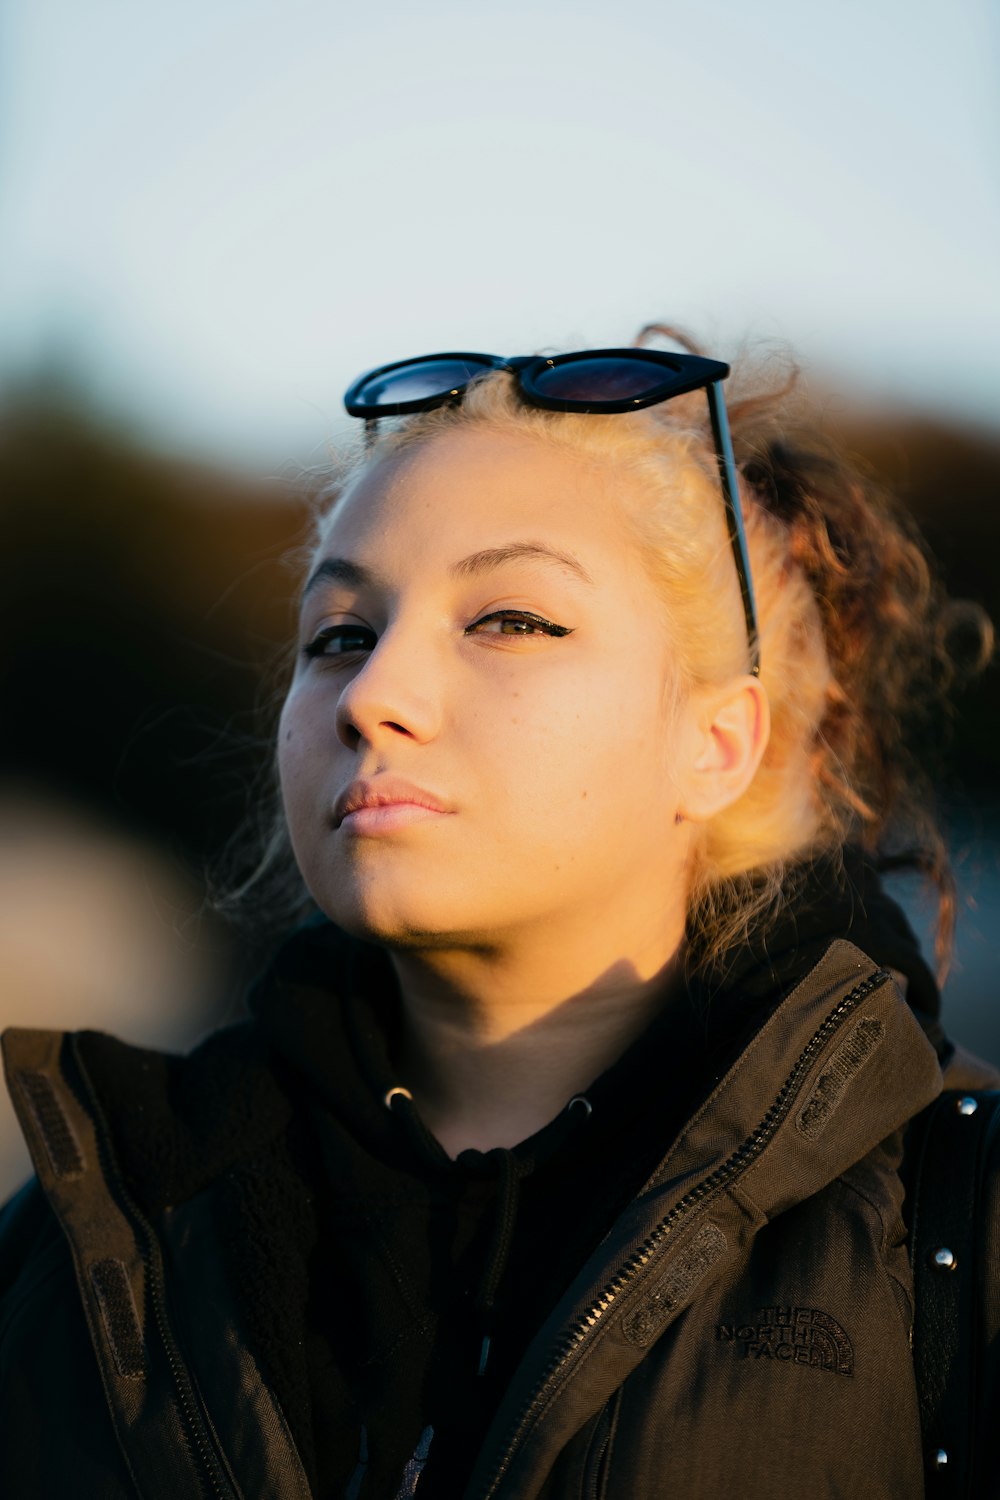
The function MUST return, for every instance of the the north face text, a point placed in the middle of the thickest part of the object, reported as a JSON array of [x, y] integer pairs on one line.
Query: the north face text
[[792, 1335]]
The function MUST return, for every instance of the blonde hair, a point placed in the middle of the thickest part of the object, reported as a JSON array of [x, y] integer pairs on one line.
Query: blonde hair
[[855, 632]]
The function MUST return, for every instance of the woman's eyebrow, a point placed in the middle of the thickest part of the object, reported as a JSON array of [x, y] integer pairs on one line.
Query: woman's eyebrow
[[342, 570], [337, 570], [495, 557]]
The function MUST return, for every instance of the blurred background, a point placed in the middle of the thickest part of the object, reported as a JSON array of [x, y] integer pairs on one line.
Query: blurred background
[[214, 217]]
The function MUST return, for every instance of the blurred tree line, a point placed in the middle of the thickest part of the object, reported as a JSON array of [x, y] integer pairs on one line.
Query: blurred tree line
[[145, 601]]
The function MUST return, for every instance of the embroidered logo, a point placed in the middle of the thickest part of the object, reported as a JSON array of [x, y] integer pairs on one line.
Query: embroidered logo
[[792, 1335]]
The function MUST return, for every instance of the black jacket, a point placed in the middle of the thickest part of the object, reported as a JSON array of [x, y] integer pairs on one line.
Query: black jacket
[[743, 1324]]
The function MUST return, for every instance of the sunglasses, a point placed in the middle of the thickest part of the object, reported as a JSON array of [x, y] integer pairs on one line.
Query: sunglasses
[[590, 380]]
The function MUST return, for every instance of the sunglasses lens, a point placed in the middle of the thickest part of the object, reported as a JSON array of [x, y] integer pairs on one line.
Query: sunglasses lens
[[420, 381], [605, 378]]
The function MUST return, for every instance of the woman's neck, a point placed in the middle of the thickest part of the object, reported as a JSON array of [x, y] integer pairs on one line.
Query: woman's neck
[[492, 1048]]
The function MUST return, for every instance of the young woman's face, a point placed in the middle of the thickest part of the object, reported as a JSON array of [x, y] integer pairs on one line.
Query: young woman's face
[[479, 739]]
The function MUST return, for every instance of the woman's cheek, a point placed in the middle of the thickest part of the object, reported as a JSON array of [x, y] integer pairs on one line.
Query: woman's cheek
[[298, 730], [294, 760]]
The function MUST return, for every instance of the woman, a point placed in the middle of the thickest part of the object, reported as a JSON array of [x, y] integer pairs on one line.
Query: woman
[[559, 1152]]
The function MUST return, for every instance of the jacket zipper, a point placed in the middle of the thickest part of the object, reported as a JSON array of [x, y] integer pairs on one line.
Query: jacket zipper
[[575, 1335], [197, 1431], [199, 1441]]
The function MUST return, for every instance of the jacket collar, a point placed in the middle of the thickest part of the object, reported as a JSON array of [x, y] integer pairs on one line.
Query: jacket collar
[[843, 1059]]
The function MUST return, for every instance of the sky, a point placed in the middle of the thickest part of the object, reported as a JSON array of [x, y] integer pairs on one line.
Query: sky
[[216, 215]]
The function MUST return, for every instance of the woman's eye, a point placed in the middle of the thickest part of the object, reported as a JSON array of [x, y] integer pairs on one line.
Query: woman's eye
[[515, 622], [340, 640]]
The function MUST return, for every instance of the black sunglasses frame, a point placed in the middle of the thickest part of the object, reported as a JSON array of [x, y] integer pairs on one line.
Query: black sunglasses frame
[[683, 373]]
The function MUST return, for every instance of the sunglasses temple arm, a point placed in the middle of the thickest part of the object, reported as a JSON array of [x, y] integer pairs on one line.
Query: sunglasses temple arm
[[729, 480]]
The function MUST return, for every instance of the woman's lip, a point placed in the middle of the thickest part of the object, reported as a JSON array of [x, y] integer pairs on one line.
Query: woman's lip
[[386, 817], [384, 794]]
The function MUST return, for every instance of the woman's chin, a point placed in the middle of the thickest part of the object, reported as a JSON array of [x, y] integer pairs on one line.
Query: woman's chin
[[393, 924]]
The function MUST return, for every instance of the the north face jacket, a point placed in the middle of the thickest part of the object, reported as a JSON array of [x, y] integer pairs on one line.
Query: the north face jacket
[[743, 1327]]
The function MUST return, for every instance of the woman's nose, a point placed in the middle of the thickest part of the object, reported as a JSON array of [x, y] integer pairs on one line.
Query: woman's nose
[[392, 695]]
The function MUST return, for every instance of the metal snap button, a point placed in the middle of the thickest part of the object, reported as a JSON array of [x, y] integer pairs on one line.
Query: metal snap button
[[943, 1259], [967, 1105]]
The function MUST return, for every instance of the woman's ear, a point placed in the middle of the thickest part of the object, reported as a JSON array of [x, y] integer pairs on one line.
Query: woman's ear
[[728, 733]]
